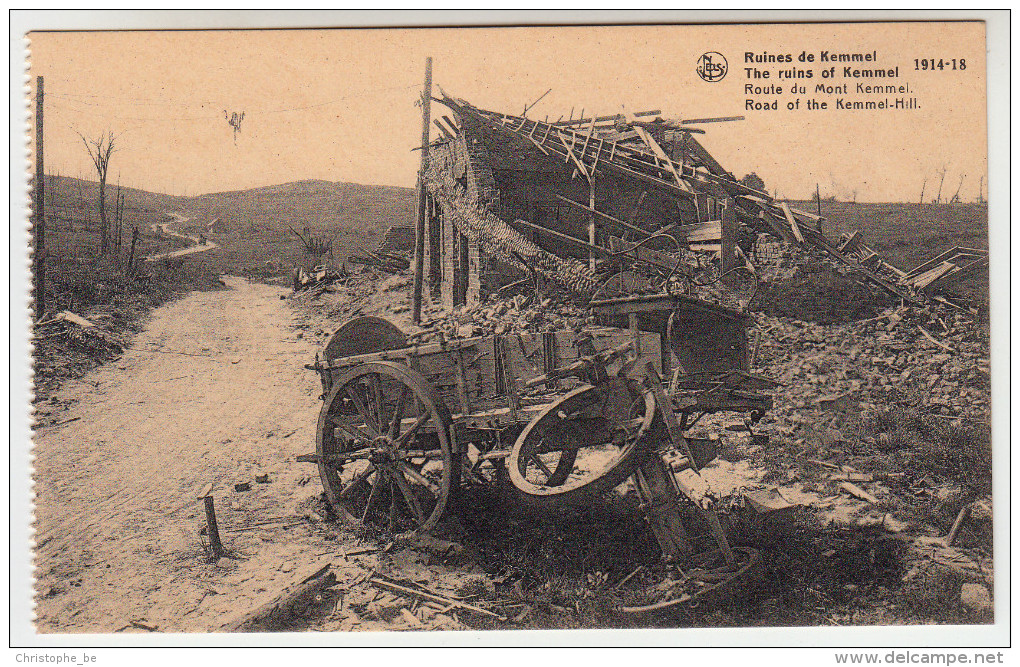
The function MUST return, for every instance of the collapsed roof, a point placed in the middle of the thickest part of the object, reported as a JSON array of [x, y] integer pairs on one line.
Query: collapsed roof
[[572, 200]]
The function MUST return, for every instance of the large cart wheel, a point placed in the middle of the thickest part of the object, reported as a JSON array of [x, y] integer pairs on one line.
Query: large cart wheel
[[384, 450], [583, 444]]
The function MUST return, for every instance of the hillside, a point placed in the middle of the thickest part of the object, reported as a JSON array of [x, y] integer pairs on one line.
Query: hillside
[[253, 225]]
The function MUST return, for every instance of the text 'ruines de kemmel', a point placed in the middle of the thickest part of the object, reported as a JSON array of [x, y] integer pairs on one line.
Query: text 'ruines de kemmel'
[[837, 81]]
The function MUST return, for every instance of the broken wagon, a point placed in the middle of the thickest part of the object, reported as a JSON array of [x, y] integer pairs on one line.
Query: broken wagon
[[563, 416], [619, 213]]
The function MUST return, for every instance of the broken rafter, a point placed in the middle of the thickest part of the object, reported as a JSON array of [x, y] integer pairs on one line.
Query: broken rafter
[[442, 128], [792, 221], [600, 119], [617, 221], [566, 238], [453, 126]]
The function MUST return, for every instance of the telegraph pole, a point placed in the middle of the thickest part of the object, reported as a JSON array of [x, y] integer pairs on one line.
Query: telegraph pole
[[419, 226], [39, 206]]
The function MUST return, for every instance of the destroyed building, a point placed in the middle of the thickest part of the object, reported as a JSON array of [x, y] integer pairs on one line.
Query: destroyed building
[[580, 201]]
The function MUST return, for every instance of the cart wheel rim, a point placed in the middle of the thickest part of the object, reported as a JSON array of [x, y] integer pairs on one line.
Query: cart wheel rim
[[743, 575], [384, 449], [585, 443]]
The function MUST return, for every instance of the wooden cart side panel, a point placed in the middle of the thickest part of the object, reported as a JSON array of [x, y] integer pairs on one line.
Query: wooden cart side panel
[[527, 358]]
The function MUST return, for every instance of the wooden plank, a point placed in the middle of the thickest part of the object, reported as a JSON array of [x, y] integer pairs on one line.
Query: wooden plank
[[793, 222], [564, 237], [599, 119], [728, 241], [719, 119], [925, 279], [453, 126], [700, 231], [442, 128], [656, 149], [932, 263], [955, 277], [572, 156]]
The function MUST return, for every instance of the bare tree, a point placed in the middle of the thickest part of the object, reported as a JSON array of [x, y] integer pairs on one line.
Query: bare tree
[[981, 190], [100, 150], [942, 177], [923, 183]]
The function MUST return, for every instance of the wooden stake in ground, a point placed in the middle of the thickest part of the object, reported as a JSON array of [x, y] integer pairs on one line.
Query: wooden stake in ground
[[419, 224], [131, 255], [40, 206], [211, 526]]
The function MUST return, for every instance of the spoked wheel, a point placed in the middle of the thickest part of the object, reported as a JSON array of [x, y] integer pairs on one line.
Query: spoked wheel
[[384, 449], [584, 444]]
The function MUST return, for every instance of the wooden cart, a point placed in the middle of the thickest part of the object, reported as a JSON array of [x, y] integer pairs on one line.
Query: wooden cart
[[567, 415]]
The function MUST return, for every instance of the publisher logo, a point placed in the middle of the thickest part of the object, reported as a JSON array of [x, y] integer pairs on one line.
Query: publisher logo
[[712, 66]]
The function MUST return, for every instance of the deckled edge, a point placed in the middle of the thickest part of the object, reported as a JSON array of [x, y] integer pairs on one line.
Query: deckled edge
[[22, 460]]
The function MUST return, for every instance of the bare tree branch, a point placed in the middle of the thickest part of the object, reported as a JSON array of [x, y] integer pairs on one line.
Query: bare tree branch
[[100, 150]]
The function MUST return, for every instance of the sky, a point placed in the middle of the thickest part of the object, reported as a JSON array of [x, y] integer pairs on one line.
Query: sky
[[340, 105]]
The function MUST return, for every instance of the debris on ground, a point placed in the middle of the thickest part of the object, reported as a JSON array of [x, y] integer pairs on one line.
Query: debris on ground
[[320, 276], [384, 261]]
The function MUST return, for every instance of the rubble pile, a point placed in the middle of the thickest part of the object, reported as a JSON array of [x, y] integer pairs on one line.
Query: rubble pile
[[517, 314], [806, 284], [319, 276], [929, 362]]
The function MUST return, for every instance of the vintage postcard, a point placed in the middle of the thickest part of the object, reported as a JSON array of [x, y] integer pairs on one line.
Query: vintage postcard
[[674, 326]]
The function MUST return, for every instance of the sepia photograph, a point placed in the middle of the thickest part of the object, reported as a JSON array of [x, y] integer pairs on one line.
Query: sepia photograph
[[509, 328]]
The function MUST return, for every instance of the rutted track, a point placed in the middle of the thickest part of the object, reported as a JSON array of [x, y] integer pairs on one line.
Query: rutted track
[[164, 229]]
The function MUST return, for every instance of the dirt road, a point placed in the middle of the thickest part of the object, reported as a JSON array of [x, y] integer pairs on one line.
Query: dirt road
[[165, 229], [213, 391]]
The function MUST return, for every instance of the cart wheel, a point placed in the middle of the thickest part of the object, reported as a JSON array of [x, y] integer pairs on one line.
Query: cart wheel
[[586, 443], [660, 590], [384, 448]]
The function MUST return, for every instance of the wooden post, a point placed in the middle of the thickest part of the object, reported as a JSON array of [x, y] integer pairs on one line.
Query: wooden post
[[213, 529], [435, 252], [39, 205], [818, 200], [131, 256], [462, 271], [419, 226]]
